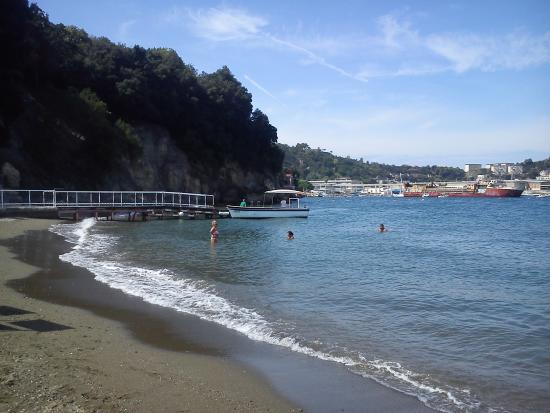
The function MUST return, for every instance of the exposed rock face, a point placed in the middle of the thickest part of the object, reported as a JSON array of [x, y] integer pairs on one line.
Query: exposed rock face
[[161, 165], [10, 177]]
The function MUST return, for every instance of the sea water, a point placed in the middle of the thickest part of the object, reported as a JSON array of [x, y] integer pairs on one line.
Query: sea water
[[452, 304]]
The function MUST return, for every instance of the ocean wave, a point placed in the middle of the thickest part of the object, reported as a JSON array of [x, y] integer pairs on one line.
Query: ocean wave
[[199, 298]]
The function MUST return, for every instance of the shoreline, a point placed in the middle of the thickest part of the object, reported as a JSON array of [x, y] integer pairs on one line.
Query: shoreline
[[86, 362], [276, 374]]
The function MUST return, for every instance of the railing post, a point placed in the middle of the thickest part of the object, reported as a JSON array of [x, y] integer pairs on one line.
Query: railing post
[[29, 198], [76, 198], [2, 199]]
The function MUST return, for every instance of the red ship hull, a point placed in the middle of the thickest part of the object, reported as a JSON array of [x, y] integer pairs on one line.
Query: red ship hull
[[501, 193], [488, 193]]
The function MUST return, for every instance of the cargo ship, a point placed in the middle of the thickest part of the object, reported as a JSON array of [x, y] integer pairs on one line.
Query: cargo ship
[[492, 190]]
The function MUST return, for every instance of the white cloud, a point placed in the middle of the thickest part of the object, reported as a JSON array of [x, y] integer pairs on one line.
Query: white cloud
[[458, 52], [404, 69], [398, 49], [515, 51], [238, 25], [226, 24], [396, 34], [314, 58], [260, 87]]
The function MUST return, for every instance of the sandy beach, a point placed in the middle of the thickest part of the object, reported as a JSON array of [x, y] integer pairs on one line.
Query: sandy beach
[[56, 358]]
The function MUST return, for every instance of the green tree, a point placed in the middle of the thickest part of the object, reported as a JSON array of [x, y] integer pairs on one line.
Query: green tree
[[304, 185]]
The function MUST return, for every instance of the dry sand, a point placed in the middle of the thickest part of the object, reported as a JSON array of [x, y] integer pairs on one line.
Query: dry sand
[[90, 364]]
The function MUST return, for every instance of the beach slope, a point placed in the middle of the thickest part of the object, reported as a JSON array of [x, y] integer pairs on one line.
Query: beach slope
[[55, 358]]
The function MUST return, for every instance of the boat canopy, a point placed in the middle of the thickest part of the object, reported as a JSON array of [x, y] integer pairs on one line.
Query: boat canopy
[[284, 191]]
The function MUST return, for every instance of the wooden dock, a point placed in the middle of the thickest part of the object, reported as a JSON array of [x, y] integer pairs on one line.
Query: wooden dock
[[108, 205]]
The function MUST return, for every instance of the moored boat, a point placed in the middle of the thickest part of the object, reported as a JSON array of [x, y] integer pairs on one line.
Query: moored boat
[[493, 190], [289, 207], [503, 192]]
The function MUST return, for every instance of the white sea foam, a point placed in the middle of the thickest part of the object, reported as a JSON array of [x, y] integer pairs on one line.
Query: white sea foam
[[433, 395], [163, 287]]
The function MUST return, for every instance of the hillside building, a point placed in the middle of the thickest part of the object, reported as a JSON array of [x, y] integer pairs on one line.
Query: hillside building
[[472, 169]]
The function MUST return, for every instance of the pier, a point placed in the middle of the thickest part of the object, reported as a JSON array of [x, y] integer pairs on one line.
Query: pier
[[127, 205]]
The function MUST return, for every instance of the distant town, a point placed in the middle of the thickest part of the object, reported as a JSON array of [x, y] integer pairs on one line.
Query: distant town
[[504, 175]]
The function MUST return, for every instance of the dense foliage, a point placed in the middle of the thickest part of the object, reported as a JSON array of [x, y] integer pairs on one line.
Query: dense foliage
[[533, 168], [313, 164], [87, 92]]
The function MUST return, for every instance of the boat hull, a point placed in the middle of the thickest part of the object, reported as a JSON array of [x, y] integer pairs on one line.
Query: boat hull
[[503, 192], [490, 193], [487, 193], [266, 212]]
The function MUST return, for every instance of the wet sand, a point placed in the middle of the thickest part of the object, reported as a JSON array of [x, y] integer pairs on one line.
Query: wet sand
[[55, 358], [121, 353]]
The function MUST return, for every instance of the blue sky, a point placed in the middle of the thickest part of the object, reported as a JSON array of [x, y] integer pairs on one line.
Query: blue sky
[[419, 82]]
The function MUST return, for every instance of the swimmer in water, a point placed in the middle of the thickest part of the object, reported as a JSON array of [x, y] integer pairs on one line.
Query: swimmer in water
[[290, 235], [382, 228]]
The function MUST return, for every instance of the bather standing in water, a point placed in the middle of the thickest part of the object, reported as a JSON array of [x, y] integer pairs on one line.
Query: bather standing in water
[[214, 231]]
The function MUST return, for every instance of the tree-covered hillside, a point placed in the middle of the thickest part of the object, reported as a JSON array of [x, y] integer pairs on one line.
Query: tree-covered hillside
[[312, 164], [533, 168], [71, 105]]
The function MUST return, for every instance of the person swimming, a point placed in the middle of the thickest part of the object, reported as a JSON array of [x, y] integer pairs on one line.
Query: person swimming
[[214, 234], [290, 235], [382, 228]]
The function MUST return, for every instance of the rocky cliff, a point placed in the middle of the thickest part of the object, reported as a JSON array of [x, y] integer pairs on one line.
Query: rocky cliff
[[159, 164]]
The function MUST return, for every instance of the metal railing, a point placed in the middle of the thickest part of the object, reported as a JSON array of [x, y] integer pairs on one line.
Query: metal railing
[[36, 198]]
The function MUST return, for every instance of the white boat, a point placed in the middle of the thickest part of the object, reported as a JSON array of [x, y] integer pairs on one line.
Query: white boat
[[289, 207]]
